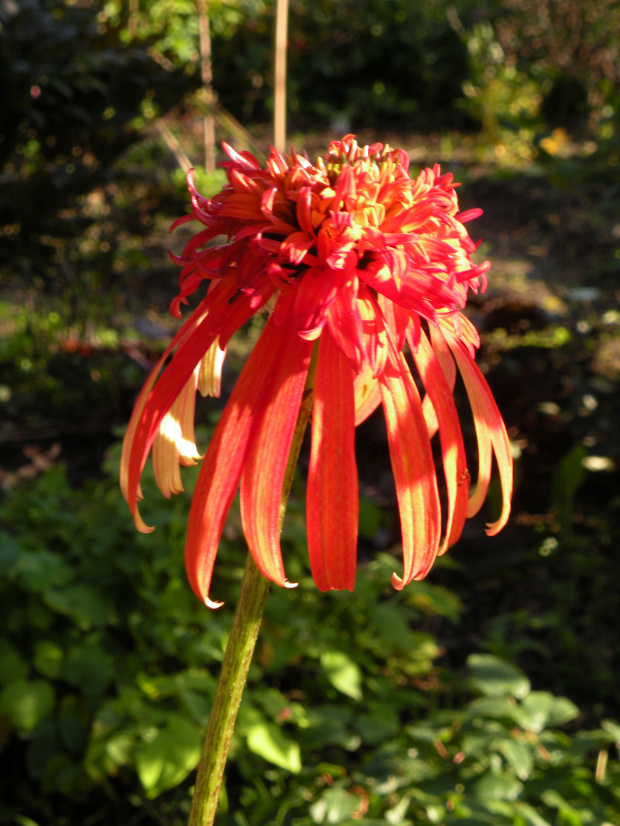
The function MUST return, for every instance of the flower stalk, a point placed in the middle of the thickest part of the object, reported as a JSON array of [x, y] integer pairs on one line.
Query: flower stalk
[[239, 651]]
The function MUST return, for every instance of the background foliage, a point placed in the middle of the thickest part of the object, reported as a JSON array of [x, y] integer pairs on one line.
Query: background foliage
[[379, 707]]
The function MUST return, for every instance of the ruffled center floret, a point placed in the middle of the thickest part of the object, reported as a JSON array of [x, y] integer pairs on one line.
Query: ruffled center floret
[[356, 216]]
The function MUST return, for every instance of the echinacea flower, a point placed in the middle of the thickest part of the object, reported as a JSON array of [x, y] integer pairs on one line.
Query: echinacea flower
[[352, 261]]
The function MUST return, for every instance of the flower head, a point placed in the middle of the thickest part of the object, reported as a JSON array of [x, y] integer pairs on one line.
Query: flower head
[[352, 261]]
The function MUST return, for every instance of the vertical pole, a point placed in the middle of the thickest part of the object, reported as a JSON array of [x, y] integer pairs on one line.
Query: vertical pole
[[279, 120], [207, 83]]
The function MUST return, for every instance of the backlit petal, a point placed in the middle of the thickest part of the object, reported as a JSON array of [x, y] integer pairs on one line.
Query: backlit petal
[[452, 448], [221, 469], [332, 499], [414, 470], [491, 435], [265, 463]]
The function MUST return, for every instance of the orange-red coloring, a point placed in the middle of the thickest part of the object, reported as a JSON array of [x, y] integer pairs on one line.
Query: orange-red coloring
[[351, 260]]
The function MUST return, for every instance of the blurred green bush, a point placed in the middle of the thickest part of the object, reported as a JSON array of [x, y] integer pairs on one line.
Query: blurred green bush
[[108, 666]]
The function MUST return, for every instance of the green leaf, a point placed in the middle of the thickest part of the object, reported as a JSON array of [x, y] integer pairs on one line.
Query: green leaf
[[388, 619], [27, 704], [530, 815], [612, 729], [495, 708], [334, 806], [89, 668], [498, 787], [48, 657], [541, 709], [104, 757], [82, 603], [379, 725], [342, 673], [497, 678], [268, 741], [328, 725], [166, 760], [518, 756], [41, 570]]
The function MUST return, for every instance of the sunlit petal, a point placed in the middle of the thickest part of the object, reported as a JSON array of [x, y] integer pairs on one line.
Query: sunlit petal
[[333, 501]]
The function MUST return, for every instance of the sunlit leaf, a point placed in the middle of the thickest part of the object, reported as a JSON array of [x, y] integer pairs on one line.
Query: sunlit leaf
[[166, 760], [343, 673], [497, 678], [518, 756], [269, 741], [27, 704]]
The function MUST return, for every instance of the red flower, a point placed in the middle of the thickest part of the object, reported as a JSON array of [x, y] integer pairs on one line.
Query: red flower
[[351, 260]]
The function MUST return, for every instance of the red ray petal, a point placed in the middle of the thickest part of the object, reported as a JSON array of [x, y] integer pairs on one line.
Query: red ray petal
[[221, 469], [452, 448], [332, 501], [490, 433], [265, 463], [414, 470], [223, 308]]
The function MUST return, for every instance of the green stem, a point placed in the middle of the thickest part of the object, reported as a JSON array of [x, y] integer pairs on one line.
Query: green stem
[[238, 656]]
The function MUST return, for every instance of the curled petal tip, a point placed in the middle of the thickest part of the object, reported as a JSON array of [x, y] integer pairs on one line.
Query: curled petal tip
[[211, 604], [288, 584], [398, 583], [493, 528], [141, 524]]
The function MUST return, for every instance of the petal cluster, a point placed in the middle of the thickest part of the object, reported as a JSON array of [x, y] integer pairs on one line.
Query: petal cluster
[[362, 273]]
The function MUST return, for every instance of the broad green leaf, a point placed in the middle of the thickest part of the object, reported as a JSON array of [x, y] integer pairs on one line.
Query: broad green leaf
[[496, 708], [42, 570], [612, 729], [334, 806], [343, 673], [27, 704], [166, 760], [497, 678], [389, 620], [48, 657], [83, 603], [567, 815], [380, 724], [328, 725], [104, 757], [561, 711], [541, 709], [519, 756], [434, 599], [498, 787], [89, 668], [268, 741], [197, 705], [530, 815]]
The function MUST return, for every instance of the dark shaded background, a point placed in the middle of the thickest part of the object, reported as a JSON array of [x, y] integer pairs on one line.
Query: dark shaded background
[[100, 107]]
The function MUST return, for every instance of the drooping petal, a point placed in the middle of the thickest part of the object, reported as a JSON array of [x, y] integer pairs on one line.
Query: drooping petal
[[490, 433], [446, 360], [452, 447], [210, 372], [221, 469], [332, 499], [367, 393], [223, 309], [133, 495], [414, 469], [265, 463], [175, 443]]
